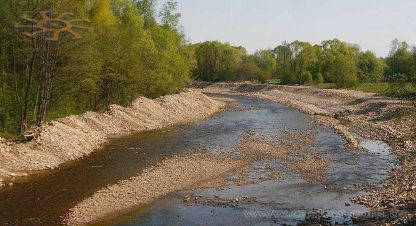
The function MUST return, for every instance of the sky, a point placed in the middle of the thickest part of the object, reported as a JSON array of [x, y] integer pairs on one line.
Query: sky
[[262, 24]]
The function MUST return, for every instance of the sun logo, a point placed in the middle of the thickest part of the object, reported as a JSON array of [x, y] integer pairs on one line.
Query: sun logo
[[55, 26]]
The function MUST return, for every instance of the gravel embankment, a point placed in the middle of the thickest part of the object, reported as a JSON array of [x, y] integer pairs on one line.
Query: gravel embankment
[[74, 137], [171, 175]]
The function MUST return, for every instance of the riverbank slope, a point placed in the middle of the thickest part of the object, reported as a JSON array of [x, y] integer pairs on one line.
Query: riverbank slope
[[74, 137]]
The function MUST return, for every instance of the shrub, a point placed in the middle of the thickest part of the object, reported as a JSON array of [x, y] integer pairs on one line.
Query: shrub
[[347, 81], [263, 76], [306, 78], [319, 78]]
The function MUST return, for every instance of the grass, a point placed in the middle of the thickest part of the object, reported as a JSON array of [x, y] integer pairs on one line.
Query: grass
[[382, 88], [275, 81], [9, 135], [379, 88]]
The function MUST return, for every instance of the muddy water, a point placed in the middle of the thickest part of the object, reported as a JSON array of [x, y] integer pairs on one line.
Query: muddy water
[[44, 199]]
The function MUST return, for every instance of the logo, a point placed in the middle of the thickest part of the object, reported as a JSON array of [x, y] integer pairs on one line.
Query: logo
[[54, 26]]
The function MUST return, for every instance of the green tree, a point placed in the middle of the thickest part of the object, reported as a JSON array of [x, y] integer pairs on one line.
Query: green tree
[[265, 60], [147, 8], [217, 61], [399, 62], [345, 70], [296, 58], [283, 55], [123, 58], [340, 63], [306, 78], [370, 67], [169, 15]]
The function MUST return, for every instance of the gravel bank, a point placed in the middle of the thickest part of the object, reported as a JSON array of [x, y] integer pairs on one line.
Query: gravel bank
[[355, 115], [74, 137], [199, 170], [175, 174]]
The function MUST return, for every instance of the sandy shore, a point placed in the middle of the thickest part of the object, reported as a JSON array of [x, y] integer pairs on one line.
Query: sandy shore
[[74, 137]]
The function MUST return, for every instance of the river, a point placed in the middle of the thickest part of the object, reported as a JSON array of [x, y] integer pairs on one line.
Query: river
[[45, 198]]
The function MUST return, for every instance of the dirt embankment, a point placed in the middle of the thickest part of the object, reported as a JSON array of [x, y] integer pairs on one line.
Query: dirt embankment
[[354, 115], [74, 137]]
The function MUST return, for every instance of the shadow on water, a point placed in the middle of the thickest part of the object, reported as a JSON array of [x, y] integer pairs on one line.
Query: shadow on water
[[44, 199]]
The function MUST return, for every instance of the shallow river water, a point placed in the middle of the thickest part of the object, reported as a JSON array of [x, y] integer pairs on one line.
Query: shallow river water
[[43, 199]]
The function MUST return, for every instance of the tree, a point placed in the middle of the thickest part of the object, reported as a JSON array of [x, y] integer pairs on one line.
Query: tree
[[217, 61], [399, 62], [340, 63], [370, 67], [147, 9], [169, 15], [345, 70], [283, 55], [306, 78], [265, 60], [126, 56], [296, 58]]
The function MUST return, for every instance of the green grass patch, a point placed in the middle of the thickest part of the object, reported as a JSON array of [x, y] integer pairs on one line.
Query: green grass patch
[[274, 81], [328, 86], [8, 135], [380, 88]]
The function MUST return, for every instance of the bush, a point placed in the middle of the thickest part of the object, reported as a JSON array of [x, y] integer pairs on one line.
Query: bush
[[347, 81], [319, 78], [289, 78], [306, 78], [263, 76]]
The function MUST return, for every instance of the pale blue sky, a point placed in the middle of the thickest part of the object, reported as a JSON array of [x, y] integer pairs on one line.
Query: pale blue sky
[[259, 24]]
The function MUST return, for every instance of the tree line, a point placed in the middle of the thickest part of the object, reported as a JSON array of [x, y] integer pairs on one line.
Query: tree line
[[135, 49], [333, 61]]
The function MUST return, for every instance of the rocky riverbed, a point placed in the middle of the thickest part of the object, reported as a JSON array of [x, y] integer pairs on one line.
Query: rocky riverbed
[[268, 148], [355, 115], [255, 149]]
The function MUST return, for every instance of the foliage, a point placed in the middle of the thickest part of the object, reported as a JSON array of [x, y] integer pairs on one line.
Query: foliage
[[169, 15], [335, 60], [295, 58], [306, 78], [370, 67], [401, 70], [127, 55], [265, 60], [319, 78], [217, 61]]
